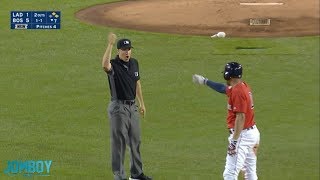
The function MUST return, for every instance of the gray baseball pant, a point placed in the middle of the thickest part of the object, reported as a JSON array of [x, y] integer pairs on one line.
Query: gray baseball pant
[[125, 130]]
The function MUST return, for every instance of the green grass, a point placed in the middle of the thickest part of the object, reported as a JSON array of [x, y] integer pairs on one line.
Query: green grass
[[54, 95]]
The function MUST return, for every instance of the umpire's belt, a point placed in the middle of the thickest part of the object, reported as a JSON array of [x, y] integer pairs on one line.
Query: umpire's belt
[[231, 131], [127, 102]]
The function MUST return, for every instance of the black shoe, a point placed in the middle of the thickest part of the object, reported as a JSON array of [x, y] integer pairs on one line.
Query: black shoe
[[140, 177]]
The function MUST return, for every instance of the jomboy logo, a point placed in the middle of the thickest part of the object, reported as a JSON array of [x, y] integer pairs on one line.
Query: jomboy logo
[[28, 168]]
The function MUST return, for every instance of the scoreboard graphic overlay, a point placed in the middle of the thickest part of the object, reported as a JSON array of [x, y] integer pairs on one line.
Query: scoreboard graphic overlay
[[35, 19]]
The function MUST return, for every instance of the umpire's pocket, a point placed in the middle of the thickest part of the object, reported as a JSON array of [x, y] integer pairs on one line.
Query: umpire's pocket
[[114, 108]]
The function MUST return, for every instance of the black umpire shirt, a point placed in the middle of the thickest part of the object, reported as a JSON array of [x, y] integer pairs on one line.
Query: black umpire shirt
[[123, 78]]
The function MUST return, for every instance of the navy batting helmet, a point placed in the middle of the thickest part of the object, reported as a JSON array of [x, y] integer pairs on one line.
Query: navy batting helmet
[[232, 70]]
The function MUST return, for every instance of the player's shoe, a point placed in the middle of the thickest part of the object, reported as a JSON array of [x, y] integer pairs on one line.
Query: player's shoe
[[140, 177]]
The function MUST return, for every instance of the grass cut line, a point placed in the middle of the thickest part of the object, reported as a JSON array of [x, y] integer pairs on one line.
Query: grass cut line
[[261, 4]]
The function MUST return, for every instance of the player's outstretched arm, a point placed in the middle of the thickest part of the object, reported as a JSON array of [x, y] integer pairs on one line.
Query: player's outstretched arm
[[219, 87]]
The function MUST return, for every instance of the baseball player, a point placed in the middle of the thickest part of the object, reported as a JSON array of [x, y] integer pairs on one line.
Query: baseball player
[[244, 135], [124, 84]]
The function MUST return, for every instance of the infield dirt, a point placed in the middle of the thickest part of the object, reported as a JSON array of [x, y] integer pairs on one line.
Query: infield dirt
[[206, 17]]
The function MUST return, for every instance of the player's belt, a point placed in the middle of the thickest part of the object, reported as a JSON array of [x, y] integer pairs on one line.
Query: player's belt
[[249, 128]]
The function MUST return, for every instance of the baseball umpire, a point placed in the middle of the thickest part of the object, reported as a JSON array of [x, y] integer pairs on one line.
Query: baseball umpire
[[244, 135], [124, 82]]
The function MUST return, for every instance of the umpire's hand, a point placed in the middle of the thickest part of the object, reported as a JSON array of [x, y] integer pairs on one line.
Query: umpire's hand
[[112, 38], [142, 110]]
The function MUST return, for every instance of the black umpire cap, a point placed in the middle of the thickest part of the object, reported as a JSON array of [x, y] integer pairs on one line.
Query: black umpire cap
[[124, 44]]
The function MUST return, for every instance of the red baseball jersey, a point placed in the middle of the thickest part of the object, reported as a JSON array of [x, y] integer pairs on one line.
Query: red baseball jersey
[[240, 100]]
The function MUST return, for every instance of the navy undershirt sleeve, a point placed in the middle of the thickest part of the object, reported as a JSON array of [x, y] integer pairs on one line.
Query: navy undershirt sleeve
[[219, 87]]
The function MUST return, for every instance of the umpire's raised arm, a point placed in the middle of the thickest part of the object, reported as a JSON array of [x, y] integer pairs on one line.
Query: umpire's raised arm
[[107, 55]]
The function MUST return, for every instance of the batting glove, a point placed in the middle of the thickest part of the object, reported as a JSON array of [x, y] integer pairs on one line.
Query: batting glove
[[232, 147], [198, 79]]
